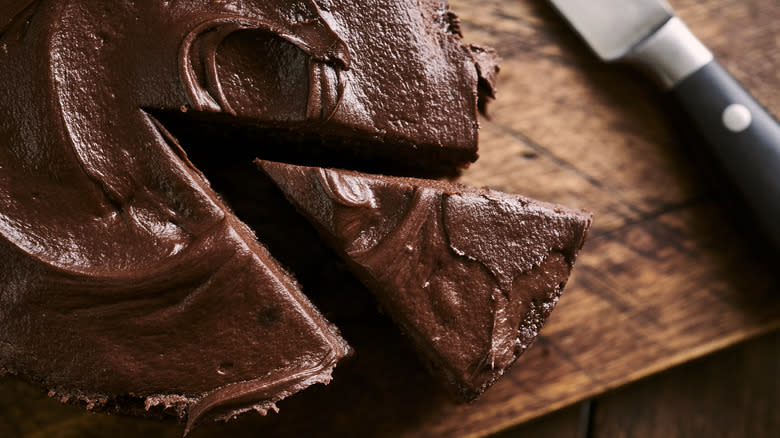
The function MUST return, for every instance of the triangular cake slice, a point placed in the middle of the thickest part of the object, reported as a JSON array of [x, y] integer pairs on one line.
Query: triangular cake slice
[[469, 274]]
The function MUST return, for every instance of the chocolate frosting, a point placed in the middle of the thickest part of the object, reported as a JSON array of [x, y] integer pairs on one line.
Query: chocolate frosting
[[127, 283], [470, 274], [87, 168]]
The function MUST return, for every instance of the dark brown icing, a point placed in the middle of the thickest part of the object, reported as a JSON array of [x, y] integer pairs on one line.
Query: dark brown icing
[[471, 275], [127, 284]]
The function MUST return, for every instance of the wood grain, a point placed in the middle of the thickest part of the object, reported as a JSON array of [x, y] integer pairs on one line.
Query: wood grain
[[566, 423], [669, 274], [734, 393]]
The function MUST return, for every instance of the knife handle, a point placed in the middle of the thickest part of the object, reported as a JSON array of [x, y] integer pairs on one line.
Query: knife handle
[[740, 134]]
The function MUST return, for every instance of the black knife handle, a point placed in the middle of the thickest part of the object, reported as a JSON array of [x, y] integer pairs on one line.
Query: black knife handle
[[740, 134]]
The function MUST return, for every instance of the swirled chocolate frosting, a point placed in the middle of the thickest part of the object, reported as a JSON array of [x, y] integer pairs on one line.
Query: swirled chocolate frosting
[[469, 274], [126, 283]]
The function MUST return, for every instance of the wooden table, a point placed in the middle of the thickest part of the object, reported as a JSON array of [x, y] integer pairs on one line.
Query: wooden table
[[671, 271]]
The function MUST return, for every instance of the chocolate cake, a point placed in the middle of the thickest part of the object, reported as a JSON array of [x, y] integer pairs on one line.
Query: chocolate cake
[[127, 283], [469, 274]]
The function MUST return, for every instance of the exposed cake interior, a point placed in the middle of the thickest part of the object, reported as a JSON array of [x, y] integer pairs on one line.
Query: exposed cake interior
[[469, 274]]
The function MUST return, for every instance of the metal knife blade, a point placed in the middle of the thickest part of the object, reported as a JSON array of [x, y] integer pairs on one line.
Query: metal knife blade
[[613, 27], [644, 32]]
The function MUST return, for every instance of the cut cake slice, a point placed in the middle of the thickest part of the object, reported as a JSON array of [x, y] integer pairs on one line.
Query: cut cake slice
[[469, 274]]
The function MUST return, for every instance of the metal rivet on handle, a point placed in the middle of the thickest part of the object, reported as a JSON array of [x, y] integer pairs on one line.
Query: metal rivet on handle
[[736, 117]]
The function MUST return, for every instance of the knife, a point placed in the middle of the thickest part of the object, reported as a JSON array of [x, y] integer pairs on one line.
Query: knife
[[740, 133]]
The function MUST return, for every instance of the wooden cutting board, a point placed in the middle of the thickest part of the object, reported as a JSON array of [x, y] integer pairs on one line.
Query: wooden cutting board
[[671, 270]]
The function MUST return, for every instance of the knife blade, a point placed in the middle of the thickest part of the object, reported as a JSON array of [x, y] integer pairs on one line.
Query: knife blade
[[738, 131], [613, 27]]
